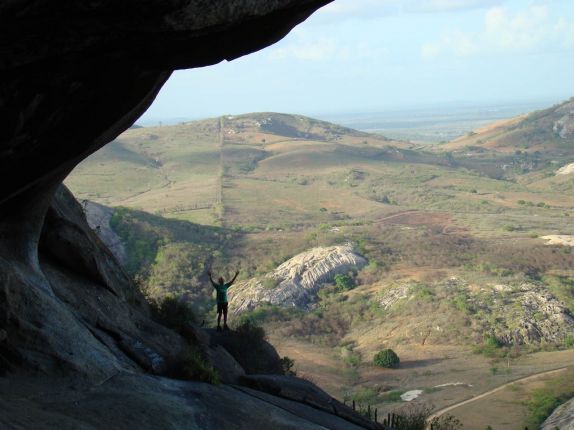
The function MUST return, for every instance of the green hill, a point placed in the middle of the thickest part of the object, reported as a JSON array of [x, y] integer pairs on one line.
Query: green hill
[[549, 131]]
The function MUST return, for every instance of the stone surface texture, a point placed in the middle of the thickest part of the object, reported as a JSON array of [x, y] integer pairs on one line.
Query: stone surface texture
[[295, 283], [562, 418]]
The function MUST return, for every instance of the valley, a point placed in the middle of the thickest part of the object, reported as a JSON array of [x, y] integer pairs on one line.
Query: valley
[[457, 278]]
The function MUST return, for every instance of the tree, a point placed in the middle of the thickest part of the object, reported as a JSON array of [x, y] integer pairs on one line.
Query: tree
[[387, 358], [344, 282]]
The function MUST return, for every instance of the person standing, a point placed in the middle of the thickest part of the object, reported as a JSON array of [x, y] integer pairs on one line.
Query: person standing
[[221, 288]]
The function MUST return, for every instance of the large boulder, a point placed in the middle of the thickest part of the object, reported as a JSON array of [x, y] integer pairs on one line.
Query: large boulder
[[129, 401], [296, 282], [561, 418]]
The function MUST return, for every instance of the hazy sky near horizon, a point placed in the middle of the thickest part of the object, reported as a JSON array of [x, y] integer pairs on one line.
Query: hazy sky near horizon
[[368, 55]]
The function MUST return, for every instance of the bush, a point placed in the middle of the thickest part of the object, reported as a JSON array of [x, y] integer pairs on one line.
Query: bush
[[173, 313], [446, 422], [287, 365], [192, 364], [413, 417], [541, 406], [344, 282], [250, 349], [387, 358]]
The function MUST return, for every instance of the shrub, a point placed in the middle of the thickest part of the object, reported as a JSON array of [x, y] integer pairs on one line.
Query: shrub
[[287, 365], [446, 422], [192, 364], [172, 312], [541, 406], [387, 358], [344, 282], [249, 347], [413, 417]]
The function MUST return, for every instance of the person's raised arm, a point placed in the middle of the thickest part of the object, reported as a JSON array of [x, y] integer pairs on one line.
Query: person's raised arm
[[233, 280], [210, 278]]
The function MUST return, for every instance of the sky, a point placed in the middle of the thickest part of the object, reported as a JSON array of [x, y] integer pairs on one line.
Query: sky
[[377, 55]]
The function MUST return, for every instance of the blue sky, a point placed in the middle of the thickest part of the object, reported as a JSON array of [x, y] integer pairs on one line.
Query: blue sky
[[369, 55]]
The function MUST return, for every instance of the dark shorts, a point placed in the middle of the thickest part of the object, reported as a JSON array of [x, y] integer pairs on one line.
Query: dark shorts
[[222, 307]]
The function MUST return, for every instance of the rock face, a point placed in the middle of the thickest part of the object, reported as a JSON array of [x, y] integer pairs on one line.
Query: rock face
[[535, 317], [564, 126], [87, 343], [127, 401], [524, 313], [295, 283], [566, 170], [562, 418], [99, 217]]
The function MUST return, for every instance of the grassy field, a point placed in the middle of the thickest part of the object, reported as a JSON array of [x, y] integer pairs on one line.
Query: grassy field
[[254, 190]]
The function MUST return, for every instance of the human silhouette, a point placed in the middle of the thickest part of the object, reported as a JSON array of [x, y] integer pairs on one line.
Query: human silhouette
[[221, 288]]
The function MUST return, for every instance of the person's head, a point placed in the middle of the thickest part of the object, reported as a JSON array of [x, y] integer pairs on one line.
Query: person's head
[[220, 280]]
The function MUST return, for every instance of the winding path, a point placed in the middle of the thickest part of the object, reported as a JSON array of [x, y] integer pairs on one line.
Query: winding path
[[494, 390]]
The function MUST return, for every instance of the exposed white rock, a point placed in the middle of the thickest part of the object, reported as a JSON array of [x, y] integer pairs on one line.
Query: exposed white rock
[[296, 282], [531, 314], [565, 126], [559, 239], [393, 295], [411, 395], [566, 170], [452, 384], [98, 217], [562, 418]]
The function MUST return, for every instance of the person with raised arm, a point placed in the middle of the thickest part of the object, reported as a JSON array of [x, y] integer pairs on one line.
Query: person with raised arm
[[221, 288]]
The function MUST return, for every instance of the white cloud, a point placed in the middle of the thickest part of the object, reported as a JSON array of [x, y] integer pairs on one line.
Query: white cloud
[[315, 50], [450, 5], [306, 47], [366, 9], [530, 30]]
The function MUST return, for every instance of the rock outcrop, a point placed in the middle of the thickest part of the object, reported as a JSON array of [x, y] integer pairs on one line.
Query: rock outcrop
[[99, 218], [515, 314], [564, 126], [295, 283], [128, 401], [88, 342], [562, 418]]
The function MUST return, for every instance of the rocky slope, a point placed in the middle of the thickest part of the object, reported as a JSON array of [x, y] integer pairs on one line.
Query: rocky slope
[[514, 313], [562, 418], [88, 343], [564, 126], [295, 283], [549, 132], [98, 217]]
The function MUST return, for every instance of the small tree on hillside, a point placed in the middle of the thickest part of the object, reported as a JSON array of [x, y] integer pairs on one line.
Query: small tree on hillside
[[387, 358], [344, 282]]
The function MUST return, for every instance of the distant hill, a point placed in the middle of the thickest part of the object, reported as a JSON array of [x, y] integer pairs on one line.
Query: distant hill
[[549, 131], [158, 169]]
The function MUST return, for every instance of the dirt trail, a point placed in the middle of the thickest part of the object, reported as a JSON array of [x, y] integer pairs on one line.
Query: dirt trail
[[494, 390]]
